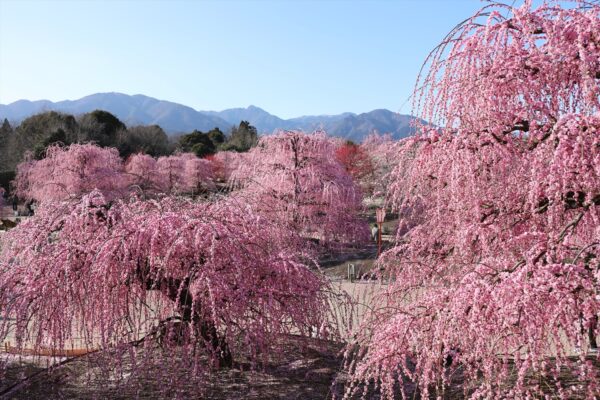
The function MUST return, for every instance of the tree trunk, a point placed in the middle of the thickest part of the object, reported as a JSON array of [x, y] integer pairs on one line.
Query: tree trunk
[[592, 332], [177, 290]]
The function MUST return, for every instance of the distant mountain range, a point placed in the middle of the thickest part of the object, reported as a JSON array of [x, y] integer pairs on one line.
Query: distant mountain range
[[176, 118]]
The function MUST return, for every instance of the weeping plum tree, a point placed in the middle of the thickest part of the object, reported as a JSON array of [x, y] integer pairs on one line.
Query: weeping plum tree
[[226, 162], [293, 178], [143, 173], [208, 277], [499, 278], [99, 267], [382, 150], [71, 172], [183, 174], [199, 174], [171, 174]]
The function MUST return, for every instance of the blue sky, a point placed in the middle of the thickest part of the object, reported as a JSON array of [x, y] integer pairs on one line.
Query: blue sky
[[289, 57]]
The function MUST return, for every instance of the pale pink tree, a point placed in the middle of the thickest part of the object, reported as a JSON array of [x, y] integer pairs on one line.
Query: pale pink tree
[[198, 174], [205, 278], [143, 173], [496, 279], [226, 162], [171, 174], [70, 172], [383, 153], [293, 178], [73, 171], [177, 174]]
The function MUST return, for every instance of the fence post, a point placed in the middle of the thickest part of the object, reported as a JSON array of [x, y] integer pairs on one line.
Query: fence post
[[380, 214], [351, 272]]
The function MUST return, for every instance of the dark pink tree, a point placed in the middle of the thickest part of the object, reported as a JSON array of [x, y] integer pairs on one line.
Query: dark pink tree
[[497, 279], [207, 277], [294, 178], [184, 174], [70, 172], [358, 164], [217, 167]]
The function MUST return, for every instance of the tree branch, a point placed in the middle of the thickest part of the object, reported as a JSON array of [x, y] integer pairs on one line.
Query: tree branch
[[573, 224]]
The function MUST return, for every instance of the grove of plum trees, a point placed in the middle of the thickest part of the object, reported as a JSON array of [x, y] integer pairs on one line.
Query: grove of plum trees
[[494, 279], [123, 254], [73, 171]]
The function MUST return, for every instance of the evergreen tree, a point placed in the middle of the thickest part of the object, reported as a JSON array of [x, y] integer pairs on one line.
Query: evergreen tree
[[242, 138], [198, 143]]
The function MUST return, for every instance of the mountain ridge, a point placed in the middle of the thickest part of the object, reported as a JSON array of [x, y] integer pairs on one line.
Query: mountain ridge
[[175, 118]]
